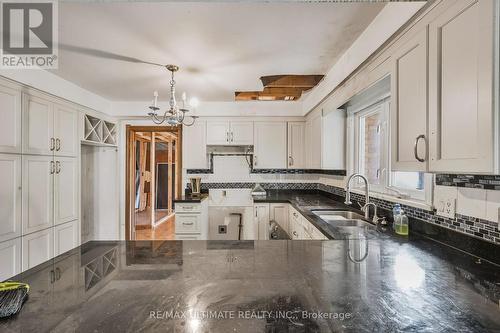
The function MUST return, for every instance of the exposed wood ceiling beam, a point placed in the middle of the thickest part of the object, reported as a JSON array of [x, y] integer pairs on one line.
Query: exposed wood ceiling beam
[[280, 87], [291, 81]]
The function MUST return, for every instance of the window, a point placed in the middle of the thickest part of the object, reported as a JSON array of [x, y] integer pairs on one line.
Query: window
[[371, 154]]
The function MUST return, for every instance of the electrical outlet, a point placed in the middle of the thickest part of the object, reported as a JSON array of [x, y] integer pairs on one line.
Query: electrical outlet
[[223, 229], [446, 207], [445, 201]]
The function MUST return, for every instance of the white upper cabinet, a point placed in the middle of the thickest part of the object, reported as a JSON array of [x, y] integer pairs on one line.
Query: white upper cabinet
[[65, 131], [409, 105], [194, 153], [38, 198], [461, 75], [241, 133], [10, 194], [229, 133], [333, 142], [10, 119], [218, 133], [296, 145], [313, 139], [38, 131], [66, 190], [270, 145]]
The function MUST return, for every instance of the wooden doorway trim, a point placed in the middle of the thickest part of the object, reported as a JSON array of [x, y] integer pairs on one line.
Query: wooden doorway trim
[[130, 167]]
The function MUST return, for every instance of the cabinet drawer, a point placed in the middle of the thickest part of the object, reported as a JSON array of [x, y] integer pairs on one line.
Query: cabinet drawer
[[188, 237], [187, 207], [187, 223]]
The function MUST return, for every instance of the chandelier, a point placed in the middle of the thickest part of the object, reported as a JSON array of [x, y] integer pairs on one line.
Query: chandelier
[[174, 115]]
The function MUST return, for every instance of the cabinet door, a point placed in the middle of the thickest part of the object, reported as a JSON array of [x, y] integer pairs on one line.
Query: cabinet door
[[38, 189], [10, 119], [66, 190], [333, 140], [261, 225], [279, 214], [10, 257], [270, 145], [241, 133], [218, 133], [38, 247], [296, 145], [65, 131], [313, 131], [38, 126], [409, 105], [461, 66], [194, 154], [65, 237], [10, 194]]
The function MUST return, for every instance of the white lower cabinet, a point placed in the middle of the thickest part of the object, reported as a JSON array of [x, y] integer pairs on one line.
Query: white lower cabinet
[[261, 221], [65, 237], [191, 220], [279, 213], [38, 247], [10, 258]]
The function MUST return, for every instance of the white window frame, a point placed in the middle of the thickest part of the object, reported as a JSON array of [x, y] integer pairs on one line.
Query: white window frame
[[417, 198]]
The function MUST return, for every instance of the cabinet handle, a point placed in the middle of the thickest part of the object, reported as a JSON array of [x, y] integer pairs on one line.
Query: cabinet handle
[[52, 277], [58, 274], [52, 144], [290, 161], [58, 144], [186, 223], [295, 233], [188, 207], [58, 167], [227, 136], [255, 160], [232, 136], [415, 148], [52, 168]]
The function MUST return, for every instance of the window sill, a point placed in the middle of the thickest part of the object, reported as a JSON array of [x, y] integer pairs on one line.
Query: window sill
[[408, 202]]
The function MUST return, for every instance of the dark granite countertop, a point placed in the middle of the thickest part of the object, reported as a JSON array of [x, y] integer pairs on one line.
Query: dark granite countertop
[[192, 198], [376, 285], [305, 202]]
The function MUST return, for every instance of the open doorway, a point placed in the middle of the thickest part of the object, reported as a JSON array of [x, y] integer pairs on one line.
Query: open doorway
[[153, 181]]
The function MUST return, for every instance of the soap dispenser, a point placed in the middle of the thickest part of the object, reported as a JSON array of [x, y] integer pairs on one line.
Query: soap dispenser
[[401, 223]]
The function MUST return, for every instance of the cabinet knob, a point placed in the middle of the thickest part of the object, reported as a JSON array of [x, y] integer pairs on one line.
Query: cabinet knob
[[58, 144], [52, 144]]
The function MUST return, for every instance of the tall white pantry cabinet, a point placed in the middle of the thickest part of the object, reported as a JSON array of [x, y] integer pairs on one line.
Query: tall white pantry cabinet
[[39, 178]]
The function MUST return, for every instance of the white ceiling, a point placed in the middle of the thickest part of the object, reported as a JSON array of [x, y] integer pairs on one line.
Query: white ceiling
[[220, 47]]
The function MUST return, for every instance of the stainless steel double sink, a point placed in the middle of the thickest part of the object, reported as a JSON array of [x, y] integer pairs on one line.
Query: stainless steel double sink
[[342, 218]]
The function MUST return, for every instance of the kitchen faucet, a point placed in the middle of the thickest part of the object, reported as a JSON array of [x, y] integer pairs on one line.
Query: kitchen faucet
[[366, 207]]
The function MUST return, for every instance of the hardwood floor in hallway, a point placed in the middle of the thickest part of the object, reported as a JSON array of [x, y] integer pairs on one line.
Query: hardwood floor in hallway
[[165, 231]]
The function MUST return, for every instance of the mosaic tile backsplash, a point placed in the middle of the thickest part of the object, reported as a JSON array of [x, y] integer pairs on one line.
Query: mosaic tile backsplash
[[487, 182], [471, 226]]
